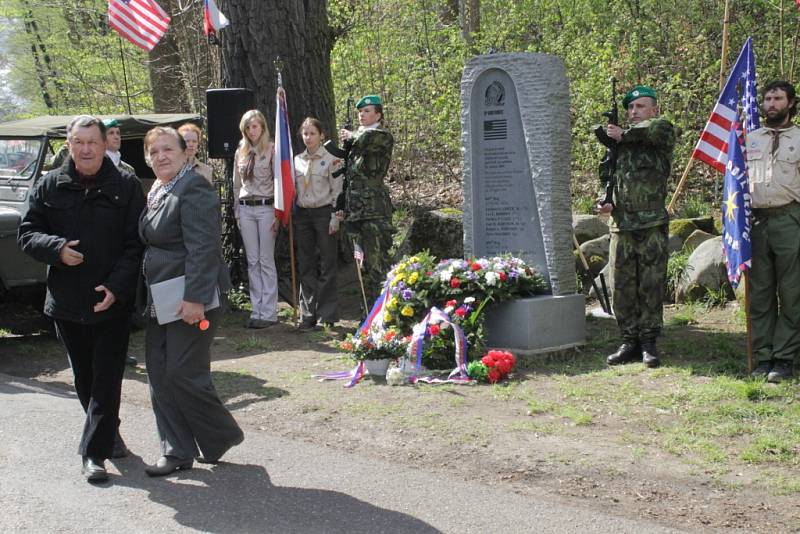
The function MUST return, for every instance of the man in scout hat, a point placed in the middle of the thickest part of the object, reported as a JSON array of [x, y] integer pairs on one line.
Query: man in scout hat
[[773, 164], [113, 144], [639, 221], [368, 208]]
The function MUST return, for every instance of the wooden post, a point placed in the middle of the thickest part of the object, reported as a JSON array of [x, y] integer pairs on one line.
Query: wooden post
[[750, 363]]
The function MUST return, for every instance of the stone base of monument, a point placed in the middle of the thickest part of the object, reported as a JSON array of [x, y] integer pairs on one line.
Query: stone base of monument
[[537, 325]]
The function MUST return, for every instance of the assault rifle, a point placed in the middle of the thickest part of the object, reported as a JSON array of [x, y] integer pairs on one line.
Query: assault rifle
[[608, 166], [342, 154]]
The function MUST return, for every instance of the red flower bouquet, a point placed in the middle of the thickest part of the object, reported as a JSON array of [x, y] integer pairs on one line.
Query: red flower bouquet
[[493, 367]]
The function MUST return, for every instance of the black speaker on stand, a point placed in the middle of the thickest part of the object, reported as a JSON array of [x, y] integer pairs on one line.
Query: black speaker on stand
[[225, 108]]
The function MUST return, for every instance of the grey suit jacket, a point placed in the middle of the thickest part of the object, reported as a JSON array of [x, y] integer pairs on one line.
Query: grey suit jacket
[[182, 234]]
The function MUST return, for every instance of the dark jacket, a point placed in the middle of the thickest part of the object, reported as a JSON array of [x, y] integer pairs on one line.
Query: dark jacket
[[105, 219]]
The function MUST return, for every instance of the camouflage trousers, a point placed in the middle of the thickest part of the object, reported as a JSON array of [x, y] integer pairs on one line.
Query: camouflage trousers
[[639, 263], [374, 236]]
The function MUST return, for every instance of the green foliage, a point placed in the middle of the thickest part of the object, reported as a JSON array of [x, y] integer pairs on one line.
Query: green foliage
[[677, 270], [66, 59], [695, 206]]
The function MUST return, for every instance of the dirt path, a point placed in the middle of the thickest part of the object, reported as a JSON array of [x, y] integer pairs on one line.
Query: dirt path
[[615, 461]]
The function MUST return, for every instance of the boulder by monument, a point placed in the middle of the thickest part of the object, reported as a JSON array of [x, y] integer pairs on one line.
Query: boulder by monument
[[596, 253], [695, 239], [439, 231], [588, 227], [705, 271]]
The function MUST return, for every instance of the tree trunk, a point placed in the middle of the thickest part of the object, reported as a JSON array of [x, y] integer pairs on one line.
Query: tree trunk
[[298, 32], [470, 14], [166, 71]]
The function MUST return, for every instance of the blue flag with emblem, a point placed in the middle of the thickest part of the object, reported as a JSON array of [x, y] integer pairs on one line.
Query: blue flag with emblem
[[736, 213]]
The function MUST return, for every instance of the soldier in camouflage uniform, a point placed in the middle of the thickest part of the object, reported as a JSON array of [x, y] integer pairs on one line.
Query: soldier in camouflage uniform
[[638, 250], [368, 208]]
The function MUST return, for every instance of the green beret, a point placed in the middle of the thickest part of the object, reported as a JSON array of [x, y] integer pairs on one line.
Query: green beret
[[110, 123], [638, 91], [369, 100]]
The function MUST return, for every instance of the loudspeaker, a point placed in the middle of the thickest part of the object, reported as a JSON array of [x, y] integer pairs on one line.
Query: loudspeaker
[[225, 108]]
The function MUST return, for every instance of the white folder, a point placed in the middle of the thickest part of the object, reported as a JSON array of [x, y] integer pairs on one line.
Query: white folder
[[168, 295]]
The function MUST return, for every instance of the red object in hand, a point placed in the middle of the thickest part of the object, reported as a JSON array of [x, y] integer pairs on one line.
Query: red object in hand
[[203, 325]]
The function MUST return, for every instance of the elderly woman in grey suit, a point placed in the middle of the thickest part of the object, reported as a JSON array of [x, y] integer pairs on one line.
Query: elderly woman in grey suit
[[181, 229]]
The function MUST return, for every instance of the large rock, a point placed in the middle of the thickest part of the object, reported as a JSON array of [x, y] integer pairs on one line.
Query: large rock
[[440, 231], [596, 253], [696, 239], [705, 224], [588, 227], [705, 271]]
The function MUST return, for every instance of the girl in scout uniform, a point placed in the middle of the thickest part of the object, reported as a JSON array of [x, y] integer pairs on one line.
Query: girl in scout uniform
[[316, 226], [253, 191]]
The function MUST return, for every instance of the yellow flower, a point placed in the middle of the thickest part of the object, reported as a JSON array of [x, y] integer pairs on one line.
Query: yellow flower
[[398, 278], [387, 317], [407, 311], [413, 278], [413, 259], [392, 303]]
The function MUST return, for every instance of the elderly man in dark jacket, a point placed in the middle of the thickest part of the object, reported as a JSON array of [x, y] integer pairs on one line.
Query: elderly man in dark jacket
[[83, 223]]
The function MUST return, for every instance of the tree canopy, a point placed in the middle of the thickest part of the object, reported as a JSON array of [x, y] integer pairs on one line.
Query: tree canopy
[[63, 58]]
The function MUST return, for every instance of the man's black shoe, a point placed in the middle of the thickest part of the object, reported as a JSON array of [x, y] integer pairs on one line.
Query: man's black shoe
[[94, 469], [130, 360], [120, 449], [626, 353], [762, 369], [782, 370], [650, 355]]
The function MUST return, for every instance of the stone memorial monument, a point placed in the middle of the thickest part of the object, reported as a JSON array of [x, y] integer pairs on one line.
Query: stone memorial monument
[[516, 138]]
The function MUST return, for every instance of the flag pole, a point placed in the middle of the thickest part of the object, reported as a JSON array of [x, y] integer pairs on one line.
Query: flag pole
[[750, 363], [125, 75], [726, 22], [361, 281], [747, 319], [278, 64]]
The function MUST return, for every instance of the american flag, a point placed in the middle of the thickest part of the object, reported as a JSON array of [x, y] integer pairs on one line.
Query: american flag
[[712, 148], [141, 22], [283, 161], [736, 219], [358, 255]]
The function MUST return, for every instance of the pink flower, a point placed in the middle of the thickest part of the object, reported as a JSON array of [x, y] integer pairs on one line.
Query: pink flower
[[461, 312], [475, 266], [455, 282], [451, 303], [493, 375], [488, 360], [503, 276], [433, 329], [504, 366]]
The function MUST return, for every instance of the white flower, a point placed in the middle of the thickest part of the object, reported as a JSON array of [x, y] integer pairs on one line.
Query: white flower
[[395, 377], [483, 262], [491, 278], [448, 310], [469, 300], [446, 275]]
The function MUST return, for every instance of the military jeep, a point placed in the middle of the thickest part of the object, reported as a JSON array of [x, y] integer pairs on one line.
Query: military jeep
[[26, 152]]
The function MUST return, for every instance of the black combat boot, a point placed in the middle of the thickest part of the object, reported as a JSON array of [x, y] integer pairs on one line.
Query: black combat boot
[[650, 354], [626, 353]]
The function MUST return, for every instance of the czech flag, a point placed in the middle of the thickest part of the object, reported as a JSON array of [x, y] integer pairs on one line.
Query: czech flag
[[283, 162], [213, 20]]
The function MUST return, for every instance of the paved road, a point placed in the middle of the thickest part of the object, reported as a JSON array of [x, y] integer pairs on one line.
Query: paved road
[[267, 484]]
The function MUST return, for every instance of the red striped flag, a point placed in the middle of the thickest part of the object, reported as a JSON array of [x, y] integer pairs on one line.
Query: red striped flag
[[213, 19], [283, 162], [141, 22], [740, 89]]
